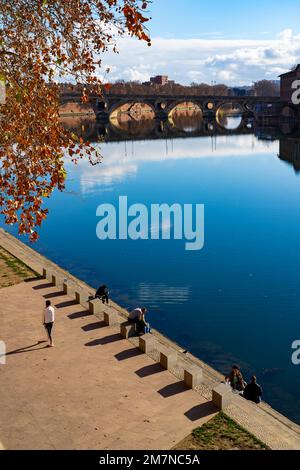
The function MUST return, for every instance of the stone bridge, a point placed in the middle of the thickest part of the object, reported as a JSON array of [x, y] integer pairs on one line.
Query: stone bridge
[[162, 105]]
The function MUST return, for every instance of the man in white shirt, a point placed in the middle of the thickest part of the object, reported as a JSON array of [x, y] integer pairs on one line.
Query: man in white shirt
[[48, 320]]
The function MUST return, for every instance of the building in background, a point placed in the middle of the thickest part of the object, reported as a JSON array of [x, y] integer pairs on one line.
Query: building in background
[[286, 81], [159, 80]]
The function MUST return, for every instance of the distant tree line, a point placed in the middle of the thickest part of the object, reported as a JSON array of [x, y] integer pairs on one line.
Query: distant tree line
[[266, 88], [122, 87], [135, 87]]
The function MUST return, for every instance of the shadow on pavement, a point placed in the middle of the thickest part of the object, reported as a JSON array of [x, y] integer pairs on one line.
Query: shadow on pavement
[[173, 389], [28, 348], [81, 314], [94, 326], [106, 340], [149, 370], [200, 411], [128, 353]]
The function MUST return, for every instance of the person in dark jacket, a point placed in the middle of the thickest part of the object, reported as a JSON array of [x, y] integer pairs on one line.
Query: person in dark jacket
[[102, 293], [253, 391]]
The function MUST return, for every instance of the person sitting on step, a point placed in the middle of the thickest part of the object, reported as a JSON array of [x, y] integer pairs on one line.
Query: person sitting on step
[[137, 316], [102, 293], [235, 378], [253, 391]]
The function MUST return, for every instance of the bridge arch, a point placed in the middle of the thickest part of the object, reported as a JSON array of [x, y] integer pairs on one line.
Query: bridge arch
[[132, 108], [176, 104], [229, 115], [185, 124], [133, 128], [246, 105]]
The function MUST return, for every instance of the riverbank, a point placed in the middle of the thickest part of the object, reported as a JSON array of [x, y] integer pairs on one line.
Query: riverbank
[[262, 421], [221, 432]]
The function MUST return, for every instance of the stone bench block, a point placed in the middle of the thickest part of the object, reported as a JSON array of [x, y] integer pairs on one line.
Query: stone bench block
[[193, 376], [222, 395], [167, 358], [48, 272], [68, 289], [80, 297], [95, 306], [127, 329], [110, 318], [57, 280], [147, 343]]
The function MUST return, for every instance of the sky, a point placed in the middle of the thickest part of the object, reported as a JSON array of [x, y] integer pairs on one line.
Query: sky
[[232, 42]]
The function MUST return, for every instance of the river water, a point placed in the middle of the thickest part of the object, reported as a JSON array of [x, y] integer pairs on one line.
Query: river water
[[235, 301]]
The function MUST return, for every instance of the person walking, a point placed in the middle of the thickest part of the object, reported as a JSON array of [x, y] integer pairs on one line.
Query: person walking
[[48, 320]]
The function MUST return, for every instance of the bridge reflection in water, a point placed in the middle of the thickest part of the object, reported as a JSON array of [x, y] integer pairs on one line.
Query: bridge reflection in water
[[177, 126], [185, 126]]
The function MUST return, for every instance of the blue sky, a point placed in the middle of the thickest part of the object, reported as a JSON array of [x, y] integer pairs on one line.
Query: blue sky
[[231, 18], [232, 42]]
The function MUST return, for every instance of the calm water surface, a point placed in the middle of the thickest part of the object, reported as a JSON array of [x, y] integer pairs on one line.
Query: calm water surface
[[236, 300]]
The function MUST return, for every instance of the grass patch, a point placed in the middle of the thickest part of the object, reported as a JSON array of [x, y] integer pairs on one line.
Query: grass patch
[[12, 270], [221, 433]]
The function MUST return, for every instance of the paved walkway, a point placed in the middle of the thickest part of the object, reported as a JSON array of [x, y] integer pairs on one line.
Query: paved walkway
[[93, 390]]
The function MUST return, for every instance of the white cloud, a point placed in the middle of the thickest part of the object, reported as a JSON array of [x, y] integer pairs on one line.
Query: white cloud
[[140, 73], [195, 75], [225, 75], [116, 167], [234, 61]]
